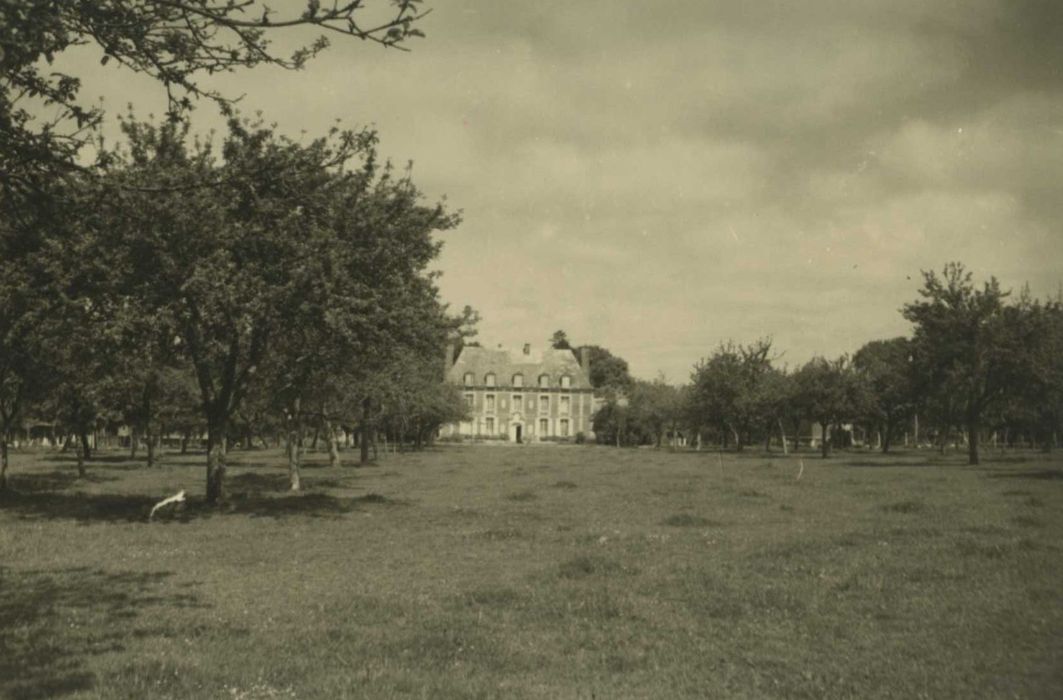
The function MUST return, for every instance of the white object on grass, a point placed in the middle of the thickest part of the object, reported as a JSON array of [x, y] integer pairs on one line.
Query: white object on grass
[[178, 497]]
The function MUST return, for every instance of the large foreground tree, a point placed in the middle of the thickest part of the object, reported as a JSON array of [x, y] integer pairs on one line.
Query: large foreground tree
[[275, 262]]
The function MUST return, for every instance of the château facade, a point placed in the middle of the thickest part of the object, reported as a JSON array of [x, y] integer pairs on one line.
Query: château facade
[[528, 395]]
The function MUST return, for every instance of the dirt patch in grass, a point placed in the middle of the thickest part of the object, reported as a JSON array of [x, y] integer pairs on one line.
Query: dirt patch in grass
[[688, 520], [521, 496], [906, 507], [564, 484], [587, 565], [1027, 521]]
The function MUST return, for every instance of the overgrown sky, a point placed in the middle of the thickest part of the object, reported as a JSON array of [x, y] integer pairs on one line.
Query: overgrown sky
[[658, 177]]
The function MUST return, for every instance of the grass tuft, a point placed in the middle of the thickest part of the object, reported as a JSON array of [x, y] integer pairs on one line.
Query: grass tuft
[[526, 495], [905, 507], [752, 493], [584, 565]]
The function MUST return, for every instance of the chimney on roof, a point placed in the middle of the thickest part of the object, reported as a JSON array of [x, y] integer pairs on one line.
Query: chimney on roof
[[585, 360], [527, 348]]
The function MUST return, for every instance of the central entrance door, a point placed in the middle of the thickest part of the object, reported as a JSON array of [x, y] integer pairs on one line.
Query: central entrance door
[[518, 433]]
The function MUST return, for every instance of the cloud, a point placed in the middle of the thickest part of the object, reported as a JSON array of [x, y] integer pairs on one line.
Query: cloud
[[660, 177]]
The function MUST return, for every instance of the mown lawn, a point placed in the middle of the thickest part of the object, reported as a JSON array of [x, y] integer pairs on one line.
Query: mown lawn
[[546, 572]]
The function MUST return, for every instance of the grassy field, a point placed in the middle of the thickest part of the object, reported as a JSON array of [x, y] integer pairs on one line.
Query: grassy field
[[545, 572]]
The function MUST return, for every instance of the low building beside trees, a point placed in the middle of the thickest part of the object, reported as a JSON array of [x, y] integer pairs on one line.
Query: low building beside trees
[[526, 395]]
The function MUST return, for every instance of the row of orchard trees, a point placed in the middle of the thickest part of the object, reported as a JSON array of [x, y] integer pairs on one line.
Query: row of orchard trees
[[981, 363], [256, 284]]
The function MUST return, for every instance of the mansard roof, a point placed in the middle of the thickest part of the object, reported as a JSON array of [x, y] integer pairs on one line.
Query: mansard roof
[[506, 363]]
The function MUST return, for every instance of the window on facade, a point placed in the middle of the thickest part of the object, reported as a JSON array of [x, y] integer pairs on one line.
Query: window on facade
[[469, 379], [518, 380], [518, 403], [544, 427], [489, 380], [489, 426], [564, 427], [468, 400], [566, 405], [566, 382], [544, 404], [489, 403], [544, 380]]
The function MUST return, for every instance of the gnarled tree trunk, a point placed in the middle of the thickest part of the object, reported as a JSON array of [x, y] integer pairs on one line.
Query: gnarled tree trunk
[[216, 460]]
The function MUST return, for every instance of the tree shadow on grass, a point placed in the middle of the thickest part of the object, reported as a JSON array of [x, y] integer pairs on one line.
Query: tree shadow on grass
[[53, 622], [54, 481], [110, 459], [1037, 474], [110, 508]]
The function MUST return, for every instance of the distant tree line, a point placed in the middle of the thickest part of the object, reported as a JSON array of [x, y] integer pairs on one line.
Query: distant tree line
[[982, 364]]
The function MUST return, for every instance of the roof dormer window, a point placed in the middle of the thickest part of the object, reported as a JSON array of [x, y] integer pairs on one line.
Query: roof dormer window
[[489, 379], [518, 380], [469, 379], [544, 380]]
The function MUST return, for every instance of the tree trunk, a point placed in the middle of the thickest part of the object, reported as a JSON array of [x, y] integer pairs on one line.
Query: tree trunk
[[184, 442], [295, 450], [973, 426], [697, 441], [3, 462], [333, 444], [825, 438], [216, 461], [85, 446], [295, 444], [782, 435], [363, 433], [81, 448], [149, 443], [886, 438], [134, 438]]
